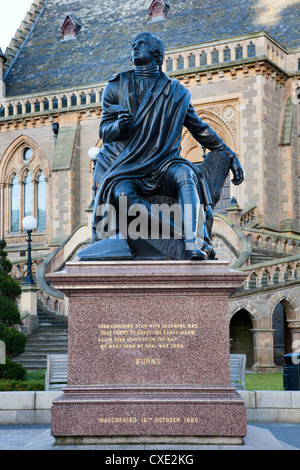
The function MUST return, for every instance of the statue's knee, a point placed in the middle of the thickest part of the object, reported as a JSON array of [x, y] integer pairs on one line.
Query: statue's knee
[[185, 175], [121, 190]]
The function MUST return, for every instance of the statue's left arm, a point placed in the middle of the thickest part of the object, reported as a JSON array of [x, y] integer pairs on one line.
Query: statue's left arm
[[207, 137]]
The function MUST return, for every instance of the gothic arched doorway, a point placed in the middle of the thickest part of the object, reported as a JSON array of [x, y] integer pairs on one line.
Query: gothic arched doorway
[[241, 337], [282, 342]]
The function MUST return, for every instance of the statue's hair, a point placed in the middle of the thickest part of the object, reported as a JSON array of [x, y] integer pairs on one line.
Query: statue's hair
[[157, 47]]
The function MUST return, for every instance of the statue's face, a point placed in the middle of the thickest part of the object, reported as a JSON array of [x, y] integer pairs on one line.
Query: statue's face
[[141, 51]]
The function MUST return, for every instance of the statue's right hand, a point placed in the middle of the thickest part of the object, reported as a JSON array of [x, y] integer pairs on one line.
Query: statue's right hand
[[125, 120]]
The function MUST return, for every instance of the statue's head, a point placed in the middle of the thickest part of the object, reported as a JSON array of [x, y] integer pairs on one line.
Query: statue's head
[[154, 48]]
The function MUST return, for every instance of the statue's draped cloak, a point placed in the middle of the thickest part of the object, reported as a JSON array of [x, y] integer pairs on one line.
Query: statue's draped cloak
[[154, 142]]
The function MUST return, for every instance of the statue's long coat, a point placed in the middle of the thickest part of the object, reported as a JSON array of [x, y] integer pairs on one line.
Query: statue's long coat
[[154, 142]]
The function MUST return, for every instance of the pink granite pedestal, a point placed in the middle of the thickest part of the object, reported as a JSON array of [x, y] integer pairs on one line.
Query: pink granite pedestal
[[148, 355]]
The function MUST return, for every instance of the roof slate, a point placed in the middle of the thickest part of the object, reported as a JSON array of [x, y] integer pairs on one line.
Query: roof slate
[[102, 47]]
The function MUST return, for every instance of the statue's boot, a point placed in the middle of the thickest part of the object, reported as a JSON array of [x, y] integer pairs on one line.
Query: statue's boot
[[196, 238]]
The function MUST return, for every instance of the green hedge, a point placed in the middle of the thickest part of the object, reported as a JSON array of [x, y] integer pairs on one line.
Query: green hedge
[[33, 382], [21, 386]]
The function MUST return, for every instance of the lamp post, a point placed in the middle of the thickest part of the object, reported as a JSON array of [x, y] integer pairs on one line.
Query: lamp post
[[93, 152], [29, 224]]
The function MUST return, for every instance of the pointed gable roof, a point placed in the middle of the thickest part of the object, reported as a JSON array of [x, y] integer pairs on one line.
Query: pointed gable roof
[[158, 10], [70, 26], [102, 49]]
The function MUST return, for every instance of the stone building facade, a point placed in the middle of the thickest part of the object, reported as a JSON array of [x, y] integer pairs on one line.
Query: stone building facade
[[241, 63]]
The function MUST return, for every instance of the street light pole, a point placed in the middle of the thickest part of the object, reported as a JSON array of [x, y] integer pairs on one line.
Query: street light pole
[[29, 224], [93, 152]]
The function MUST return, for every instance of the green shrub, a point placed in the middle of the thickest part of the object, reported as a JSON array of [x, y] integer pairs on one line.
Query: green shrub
[[5, 264], [38, 375], [9, 312], [12, 371], [14, 340], [9, 287]]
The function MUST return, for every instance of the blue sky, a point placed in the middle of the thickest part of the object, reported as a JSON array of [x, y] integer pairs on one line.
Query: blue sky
[[12, 14]]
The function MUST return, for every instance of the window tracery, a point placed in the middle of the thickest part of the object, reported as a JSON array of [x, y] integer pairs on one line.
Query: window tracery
[[24, 172]]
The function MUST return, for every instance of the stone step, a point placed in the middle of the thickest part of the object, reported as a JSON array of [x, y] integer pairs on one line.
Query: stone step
[[52, 347], [46, 335], [32, 365], [37, 356], [51, 338]]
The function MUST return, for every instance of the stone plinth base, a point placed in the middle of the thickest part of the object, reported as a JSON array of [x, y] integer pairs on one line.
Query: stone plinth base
[[149, 414], [148, 354]]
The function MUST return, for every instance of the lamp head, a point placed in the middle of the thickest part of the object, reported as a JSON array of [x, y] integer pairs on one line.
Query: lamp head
[[93, 152], [29, 223]]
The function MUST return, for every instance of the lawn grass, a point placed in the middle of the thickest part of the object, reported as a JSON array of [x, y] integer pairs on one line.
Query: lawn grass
[[264, 381]]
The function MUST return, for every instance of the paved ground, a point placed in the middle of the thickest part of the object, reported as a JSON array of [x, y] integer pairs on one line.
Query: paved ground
[[261, 436]]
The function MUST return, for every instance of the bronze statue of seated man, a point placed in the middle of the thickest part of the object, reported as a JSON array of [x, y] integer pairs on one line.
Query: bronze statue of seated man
[[144, 112]]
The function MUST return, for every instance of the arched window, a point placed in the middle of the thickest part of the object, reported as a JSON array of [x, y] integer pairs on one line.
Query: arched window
[[14, 205], [251, 50], [37, 106], [215, 57], [169, 65], [25, 186], [64, 102], [28, 196], [239, 52], [28, 107], [227, 54], [93, 97], [192, 61], [83, 98], [180, 63], [203, 59], [46, 104], [73, 100], [41, 202]]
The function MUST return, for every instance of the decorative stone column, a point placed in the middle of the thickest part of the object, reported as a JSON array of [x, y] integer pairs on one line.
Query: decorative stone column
[[294, 325], [28, 305], [263, 350], [234, 212]]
